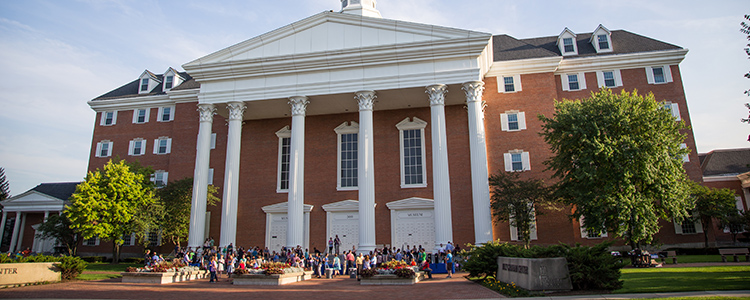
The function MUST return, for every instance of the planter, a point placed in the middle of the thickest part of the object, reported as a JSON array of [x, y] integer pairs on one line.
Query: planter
[[24, 273], [389, 279], [290, 275], [163, 277]]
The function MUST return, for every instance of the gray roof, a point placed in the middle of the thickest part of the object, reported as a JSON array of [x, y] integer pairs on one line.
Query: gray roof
[[509, 48], [60, 190], [131, 89], [726, 162]]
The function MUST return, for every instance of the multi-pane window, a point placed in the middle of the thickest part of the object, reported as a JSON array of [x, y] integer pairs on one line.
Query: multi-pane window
[[153, 238], [93, 241], [568, 45], [509, 86], [688, 227], [516, 161], [573, 82], [140, 116], [162, 145], [168, 81], [144, 85], [108, 118], [348, 170], [658, 75], [127, 239], [284, 147], [609, 79], [160, 178], [166, 114], [104, 149], [412, 152], [603, 41], [513, 121], [137, 147]]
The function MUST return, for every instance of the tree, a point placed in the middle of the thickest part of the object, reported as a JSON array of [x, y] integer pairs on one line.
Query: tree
[[176, 198], [737, 223], [58, 227], [619, 161], [107, 202], [519, 201], [711, 203], [4, 186]]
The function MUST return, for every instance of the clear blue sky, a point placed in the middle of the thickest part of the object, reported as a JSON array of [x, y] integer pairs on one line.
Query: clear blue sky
[[57, 55]]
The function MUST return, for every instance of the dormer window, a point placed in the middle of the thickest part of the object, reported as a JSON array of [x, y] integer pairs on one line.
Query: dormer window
[[566, 42], [601, 39], [568, 45], [168, 82], [144, 85]]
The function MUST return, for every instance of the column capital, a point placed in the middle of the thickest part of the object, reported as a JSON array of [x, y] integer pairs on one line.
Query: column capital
[[236, 110], [473, 90], [365, 99], [436, 92], [298, 104], [206, 111]]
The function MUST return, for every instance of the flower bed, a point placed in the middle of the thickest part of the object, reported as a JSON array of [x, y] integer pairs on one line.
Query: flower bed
[[270, 274], [163, 273], [392, 273]]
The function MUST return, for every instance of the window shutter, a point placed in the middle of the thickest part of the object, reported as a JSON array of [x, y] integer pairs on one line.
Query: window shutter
[[650, 77], [114, 117], [97, 241], [618, 80], [584, 233], [156, 146], [169, 145], [521, 120], [109, 150], [738, 203], [135, 115], [104, 116], [165, 178], [143, 147], [582, 81], [513, 232], [600, 79], [508, 162], [517, 82], [667, 74], [525, 160], [698, 226], [130, 148], [677, 227], [98, 149], [532, 231], [213, 141], [564, 80], [676, 111], [504, 122]]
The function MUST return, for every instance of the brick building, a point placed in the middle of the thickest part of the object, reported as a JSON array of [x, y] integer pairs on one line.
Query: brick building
[[382, 132]]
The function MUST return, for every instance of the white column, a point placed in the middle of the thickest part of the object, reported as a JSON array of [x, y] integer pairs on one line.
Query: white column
[[2, 225], [231, 175], [296, 204], [366, 172], [14, 236], [20, 232], [200, 177], [45, 242], [441, 186], [480, 187]]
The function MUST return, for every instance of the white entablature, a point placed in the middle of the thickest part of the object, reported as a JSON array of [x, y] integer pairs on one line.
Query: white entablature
[[336, 53]]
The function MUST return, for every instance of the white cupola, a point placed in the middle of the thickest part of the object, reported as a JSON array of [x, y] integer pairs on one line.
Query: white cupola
[[360, 7]]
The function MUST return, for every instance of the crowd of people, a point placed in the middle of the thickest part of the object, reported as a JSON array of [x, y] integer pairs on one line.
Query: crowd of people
[[225, 260]]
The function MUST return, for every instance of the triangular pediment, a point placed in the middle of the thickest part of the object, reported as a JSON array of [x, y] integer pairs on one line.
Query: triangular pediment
[[346, 205], [411, 203], [332, 32], [32, 201], [281, 208]]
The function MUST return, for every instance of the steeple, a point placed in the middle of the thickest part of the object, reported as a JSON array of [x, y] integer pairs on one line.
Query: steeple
[[360, 7]]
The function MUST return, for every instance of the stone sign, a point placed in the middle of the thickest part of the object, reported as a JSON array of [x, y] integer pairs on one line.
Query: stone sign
[[23, 273], [535, 274]]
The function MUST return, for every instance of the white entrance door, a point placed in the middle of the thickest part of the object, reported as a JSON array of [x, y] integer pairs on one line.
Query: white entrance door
[[277, 232], [346, 226], [413, 228]]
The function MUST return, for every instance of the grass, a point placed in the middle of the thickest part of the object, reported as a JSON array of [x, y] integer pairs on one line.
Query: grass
[[113, 270], [650, 280], [687, 259], [97, 276]]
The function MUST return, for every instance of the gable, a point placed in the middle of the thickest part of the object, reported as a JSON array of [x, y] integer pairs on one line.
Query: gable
[[32, 201]]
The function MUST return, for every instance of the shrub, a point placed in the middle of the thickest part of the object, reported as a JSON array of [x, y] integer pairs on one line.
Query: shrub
[[93, 259], [404, 273], [239, 271], [367, 273], [71, 267], [134, 260]]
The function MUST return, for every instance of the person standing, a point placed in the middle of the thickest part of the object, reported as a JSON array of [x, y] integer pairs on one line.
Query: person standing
[[336, 244], [449, 263], [330, 245], [212, 267]]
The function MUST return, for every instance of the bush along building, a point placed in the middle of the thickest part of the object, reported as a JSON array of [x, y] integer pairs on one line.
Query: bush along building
[[380, 131]]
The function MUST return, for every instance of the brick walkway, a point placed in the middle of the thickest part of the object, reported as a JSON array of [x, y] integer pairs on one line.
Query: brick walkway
[[328, 289]]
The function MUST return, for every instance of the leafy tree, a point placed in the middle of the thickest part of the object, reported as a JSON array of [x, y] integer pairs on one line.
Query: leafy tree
[[711, 203], [176, 198], [4, 186], [619, 161], [737, 223], [107, 203], [518, 201], [58, 227]]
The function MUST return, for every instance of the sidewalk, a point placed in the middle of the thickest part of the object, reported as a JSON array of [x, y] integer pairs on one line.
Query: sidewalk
[[745, 293]]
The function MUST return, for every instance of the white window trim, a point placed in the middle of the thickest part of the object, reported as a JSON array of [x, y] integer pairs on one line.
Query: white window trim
[[164, 178], [585, 234], [501, 83], [667, 75], [686, 157], [344, 128], [698, 227], [281, 134], [161, 112], [131, 147], [532, 232], [674, 108], [407, 124], [99, 148], [135, 115], [213, 140], [566, 84], [508, 158], [601, 30], [132, 240], [104, 118], [601, 81], [521, 120], [156, 145], [96, 242], [567, 33]]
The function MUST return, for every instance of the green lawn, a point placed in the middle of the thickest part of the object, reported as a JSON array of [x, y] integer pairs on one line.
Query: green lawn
[[648, 280], [107, 267], [686, 259]]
